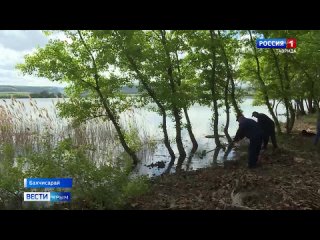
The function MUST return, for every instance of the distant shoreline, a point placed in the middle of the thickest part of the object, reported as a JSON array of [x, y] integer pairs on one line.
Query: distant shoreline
[[28, 95], [36, 95]]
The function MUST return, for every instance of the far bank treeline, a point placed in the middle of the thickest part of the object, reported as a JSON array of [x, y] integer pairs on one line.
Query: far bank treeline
[[175, 69], [42, 94]]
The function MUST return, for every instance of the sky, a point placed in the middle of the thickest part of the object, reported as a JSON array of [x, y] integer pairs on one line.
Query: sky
[[14, 44]]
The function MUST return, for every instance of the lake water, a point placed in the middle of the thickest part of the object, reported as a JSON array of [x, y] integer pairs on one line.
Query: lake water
[[200, 117]]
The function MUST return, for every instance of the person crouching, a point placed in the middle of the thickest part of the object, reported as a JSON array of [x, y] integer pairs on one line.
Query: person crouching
[[250, 129]]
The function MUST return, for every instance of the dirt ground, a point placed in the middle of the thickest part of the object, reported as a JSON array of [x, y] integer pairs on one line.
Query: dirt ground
[[288, 178]]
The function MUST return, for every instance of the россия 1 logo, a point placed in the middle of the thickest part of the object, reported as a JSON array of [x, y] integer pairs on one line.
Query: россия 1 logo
[[288, 43]]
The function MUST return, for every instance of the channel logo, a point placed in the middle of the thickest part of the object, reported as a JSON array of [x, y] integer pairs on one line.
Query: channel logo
[[277, 43], [36, 196], [47, 196]]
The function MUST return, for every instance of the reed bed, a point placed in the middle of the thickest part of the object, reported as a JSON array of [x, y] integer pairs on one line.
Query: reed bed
[[26, 127]]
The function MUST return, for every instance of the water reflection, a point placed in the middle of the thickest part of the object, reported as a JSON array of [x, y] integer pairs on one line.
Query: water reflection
[[189, 159], [170, 165]]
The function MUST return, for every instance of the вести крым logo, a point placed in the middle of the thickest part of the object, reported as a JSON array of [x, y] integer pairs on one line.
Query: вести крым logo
[[47, 196]]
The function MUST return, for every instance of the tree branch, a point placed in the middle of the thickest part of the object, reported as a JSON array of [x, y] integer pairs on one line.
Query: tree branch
[[96, 75]]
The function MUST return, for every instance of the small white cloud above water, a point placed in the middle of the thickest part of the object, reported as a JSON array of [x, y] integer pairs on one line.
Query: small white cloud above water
[[14, 45]]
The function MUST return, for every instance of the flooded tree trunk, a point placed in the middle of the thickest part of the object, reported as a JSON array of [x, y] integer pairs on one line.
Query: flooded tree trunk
[[216, 154], [164, 122], [263, 86], [226, 102], [189, 160], [185, 110], [215, 126], [177, 117], [228, 151], [114, 120], [175, 111], [152, 94], [213, 91], [165, 133], [189, 128], [170, 165]]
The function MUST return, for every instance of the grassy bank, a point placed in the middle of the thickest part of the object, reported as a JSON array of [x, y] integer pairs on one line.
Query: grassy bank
[[287, 179]]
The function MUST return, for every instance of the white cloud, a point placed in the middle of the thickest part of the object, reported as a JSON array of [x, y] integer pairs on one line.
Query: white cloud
[[22, 39], [9, 57], [14, 45]]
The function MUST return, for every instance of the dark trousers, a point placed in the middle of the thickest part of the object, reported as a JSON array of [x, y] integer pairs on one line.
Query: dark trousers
[[269, 133], [254, 150]]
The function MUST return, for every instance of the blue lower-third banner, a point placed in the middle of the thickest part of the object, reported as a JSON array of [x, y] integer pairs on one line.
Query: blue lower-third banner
[[48, 182], [60, 197]]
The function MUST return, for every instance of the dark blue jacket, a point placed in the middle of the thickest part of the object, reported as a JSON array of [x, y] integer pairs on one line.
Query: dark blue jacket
[[248, 128], [265, 122]]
